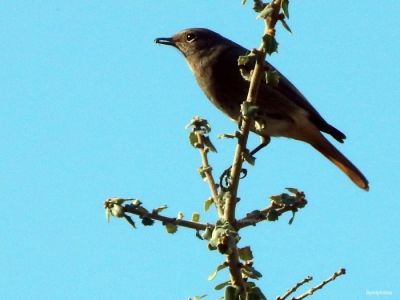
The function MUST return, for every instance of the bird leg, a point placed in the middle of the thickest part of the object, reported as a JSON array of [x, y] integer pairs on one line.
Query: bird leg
[[224, 178], [264, 141]]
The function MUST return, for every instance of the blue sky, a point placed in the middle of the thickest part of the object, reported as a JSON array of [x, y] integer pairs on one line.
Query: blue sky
[[92, 108]]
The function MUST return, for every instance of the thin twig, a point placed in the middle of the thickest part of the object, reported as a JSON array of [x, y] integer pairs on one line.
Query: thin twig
[[208, 175], [142, 213], [251, 219], [294, 288], [311, 291]]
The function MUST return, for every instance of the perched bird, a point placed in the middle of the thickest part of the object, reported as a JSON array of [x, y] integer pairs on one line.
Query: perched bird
[[213, 59]]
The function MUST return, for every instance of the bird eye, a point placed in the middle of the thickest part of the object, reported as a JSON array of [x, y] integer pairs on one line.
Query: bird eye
[[190, 37]]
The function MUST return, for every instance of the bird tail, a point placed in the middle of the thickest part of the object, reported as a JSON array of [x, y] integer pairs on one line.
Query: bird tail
[[330, 152]]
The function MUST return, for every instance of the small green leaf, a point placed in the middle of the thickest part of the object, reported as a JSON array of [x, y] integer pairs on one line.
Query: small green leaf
[[230, 293], [256, 291], [193, 139], [259, 125], [199, 124], [198, 235], [256, 273], [273, 215], [208, 203], [250, 272], [130, 221], [292, 190], [270, 44], [117, 211], [285, 8], [258, 5], [214, 273], [171, 228], [146, 221], [285, 25], [249, 158], [272, 78], [191, 123], [211, 247], [287, 199], [203, 171], [250, 285], [277, 199], [216, 234], [198, 297], [246, 74], [247, 61], [283, 199], [245, 253], [117, 200], [159, 209], [207, 233], [195, 217], [208, 145], [247, 109], [292, 218], [246, 65], [222, 285], [226, 136], [108, 213], [243, 60], [205, 126], [136, 202]]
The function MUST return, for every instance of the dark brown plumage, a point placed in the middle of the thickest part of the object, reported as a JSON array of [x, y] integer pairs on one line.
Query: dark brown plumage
[[282, 109]]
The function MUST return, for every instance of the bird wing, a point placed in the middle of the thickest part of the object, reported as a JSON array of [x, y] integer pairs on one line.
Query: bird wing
[[293, 94]]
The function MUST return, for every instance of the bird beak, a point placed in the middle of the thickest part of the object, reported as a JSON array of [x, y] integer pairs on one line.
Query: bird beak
[[165, 41]]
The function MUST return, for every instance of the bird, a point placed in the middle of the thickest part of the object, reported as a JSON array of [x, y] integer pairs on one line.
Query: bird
[[282, 108]]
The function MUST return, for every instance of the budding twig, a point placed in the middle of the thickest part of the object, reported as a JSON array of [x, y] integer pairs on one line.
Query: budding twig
[[139, 211], [251, 219], [208, 174], [311, 291], [294, 288]]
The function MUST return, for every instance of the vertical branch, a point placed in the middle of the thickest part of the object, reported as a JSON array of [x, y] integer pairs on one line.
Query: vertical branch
[[245, 125], [230, 205], [256, 78], [234, 270], [244, 134]]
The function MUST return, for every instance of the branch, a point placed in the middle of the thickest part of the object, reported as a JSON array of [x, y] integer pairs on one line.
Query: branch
[[251, 219], [143, 213], [245, 122], [242, 139], [294, 288], [208, 172], [311, 291]]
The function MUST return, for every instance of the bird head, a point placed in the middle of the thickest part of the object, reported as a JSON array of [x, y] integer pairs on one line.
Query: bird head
[[195, 41]]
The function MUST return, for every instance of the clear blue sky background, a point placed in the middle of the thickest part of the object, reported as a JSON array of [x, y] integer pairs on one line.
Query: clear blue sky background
[[92, 108]]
